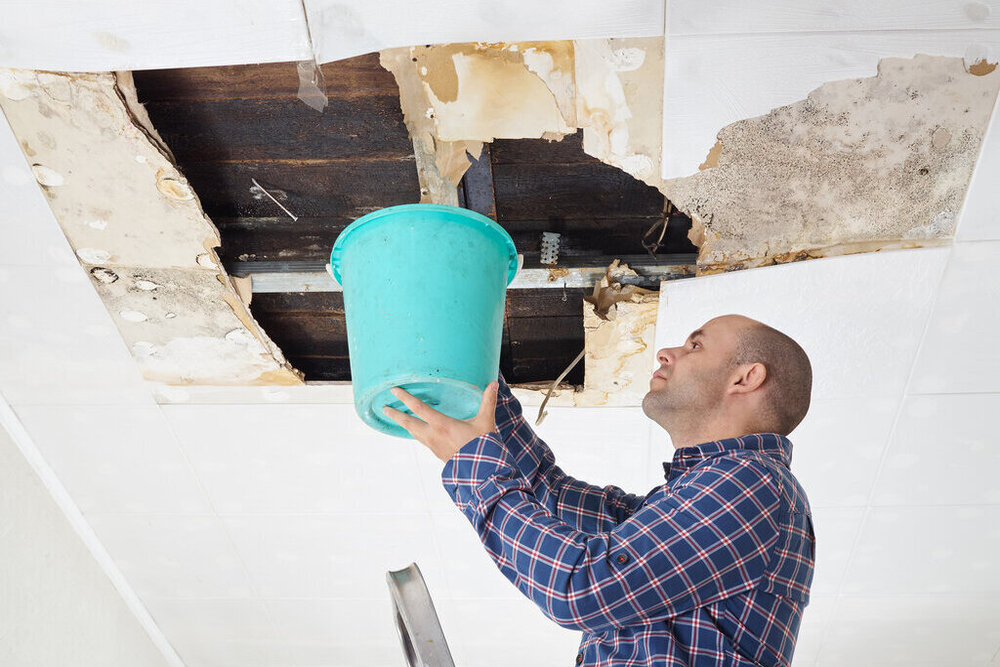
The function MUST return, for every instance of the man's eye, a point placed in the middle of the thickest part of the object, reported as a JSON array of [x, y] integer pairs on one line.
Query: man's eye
[[693, 344]]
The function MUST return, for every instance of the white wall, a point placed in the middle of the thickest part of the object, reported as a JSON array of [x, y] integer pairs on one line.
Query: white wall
[[57, 606]]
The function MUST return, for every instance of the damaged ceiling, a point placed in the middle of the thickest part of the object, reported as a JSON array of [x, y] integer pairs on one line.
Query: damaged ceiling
[[215, 531], [279, 181], [243, 184]]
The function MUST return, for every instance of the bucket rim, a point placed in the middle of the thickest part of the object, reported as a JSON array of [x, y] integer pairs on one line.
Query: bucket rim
[[468, 214]]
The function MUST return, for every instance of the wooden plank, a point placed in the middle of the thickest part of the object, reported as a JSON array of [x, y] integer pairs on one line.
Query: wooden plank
[[323, 368], [278, 239], [542, 347], [544, 303], [303, 334], [340, 190], [318, 303], [544, 192], [541, 151], [276, 129], [362, 75]]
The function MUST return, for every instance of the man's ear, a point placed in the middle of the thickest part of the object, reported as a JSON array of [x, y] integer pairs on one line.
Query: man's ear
[[751, 377]]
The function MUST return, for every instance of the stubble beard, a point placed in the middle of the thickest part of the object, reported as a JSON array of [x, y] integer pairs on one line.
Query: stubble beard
[[682, 407]]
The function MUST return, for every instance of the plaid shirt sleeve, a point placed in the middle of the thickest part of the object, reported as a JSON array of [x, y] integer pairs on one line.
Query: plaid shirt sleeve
[[708, 539], [586, 507]]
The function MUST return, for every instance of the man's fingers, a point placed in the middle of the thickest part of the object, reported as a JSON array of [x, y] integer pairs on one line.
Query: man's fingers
[[418, 407], [409, 422], [488, 406]]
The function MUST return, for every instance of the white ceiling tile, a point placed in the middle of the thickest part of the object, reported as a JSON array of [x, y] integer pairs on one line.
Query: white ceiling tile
[[469, 571], [733, 16], [121, 35], [837, 447], [959, 352], [858, 347], [943, 452], [59, 345], [30, 233], [173, 556], [333, 556], [219, 633], [947, 549], [514, 629], [428, 473], [337, 632], [836, 529], [814, 621], [297, 458], [341, 29], [602, 445], [912, 630], [979, 219], [115, 459]]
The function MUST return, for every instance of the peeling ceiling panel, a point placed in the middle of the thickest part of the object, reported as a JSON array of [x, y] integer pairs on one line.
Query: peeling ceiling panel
[[342, 29], [124, 35], [859, 165], [716, 79], [619, 86], [138, 230]]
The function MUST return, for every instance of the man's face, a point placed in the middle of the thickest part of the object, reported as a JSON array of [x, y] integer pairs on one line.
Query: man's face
[[690, 379]]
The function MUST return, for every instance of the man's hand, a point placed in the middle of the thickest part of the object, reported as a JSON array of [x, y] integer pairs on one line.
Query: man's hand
[[442, 434]]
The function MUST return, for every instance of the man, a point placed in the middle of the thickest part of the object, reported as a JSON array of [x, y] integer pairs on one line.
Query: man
[[713, 567]]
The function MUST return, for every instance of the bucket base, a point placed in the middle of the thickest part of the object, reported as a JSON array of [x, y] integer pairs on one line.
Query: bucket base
[[456, 398]]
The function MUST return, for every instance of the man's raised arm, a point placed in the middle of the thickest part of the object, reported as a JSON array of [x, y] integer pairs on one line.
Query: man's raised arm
[[587, 507]]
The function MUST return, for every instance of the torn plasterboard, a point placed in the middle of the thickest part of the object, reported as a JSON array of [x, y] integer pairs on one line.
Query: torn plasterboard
[[619, 97], [860, 165], [456, 96], [138, 229], [619, 324]]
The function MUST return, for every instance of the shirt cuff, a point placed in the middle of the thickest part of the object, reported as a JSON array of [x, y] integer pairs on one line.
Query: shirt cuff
[[475, 474]]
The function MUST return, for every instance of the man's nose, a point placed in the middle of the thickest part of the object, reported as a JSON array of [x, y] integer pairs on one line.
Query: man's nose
[[666, 355]]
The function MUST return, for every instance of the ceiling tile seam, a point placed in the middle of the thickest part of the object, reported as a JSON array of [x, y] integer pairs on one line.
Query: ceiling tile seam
[[255, 593], [991, 123], [825, 631], [993, 32], [19, 434], [884, 456], [425, 490], [906, 388]]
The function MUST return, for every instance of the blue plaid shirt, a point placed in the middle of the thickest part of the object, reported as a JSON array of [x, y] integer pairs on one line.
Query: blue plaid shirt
[[712, 568]]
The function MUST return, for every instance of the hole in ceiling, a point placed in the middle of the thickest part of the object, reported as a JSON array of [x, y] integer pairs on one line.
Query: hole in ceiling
[[281, 181]]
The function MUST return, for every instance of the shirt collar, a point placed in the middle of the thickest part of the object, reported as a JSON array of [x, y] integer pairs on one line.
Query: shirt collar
[[774, 444]]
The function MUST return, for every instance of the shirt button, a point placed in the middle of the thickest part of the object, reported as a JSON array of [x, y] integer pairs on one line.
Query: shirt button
[[579, 658], [622, 558]]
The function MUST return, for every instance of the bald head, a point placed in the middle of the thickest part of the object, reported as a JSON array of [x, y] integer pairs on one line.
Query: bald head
[[732, 376], [788, 383]]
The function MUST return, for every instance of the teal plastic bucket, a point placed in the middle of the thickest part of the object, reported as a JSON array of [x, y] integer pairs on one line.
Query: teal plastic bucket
[[424, 296]]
